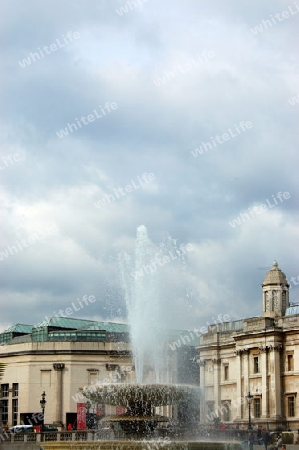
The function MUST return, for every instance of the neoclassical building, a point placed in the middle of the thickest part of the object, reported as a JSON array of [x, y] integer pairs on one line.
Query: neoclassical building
[[57, 357], [60, 355], [257, 356]]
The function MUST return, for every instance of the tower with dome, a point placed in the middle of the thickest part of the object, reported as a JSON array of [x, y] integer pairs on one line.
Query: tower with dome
[[275, 293], [256, 356]]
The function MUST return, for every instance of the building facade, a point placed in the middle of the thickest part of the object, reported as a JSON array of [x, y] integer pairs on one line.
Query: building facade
[[58, 357], [61, 355], [254, 360]]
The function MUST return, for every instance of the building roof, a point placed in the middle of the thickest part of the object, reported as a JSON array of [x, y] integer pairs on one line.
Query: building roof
[[291, 310], [275, 276], [65, 322], [82, 324], [19, 328], [67, 328], [111, 327]]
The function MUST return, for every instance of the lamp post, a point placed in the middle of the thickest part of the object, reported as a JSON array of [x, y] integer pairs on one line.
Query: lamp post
[[249, 398], [43, 402], [87, 406]]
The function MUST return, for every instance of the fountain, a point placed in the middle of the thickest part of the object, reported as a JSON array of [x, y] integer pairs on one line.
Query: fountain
[[140, 401], [142, 278]]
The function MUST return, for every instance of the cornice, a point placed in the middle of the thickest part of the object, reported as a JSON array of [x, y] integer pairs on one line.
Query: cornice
[[67, 352], [277, 331], [216, 347], [271, 348]]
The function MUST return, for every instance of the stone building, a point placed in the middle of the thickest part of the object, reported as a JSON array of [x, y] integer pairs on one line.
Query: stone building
[[59, 356], [258, 356], [62, 354]]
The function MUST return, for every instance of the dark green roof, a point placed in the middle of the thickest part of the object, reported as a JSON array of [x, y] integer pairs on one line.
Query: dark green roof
[[177, 334], [81, 324], [65, 322], [41, 331], [111, 327], [19, 328]]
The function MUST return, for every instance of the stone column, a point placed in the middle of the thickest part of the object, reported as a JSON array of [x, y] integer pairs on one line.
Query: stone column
[[202, 364], [246, 353], [275, 384], [246, 371], [217, 394], [58, 367], [239, 384], [265, 387]]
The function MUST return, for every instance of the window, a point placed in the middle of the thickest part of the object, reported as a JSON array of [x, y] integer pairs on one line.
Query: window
[[226, 372], [15, 389], [4, 412], [290, 362], [112, 367], [256, 368], [291, 406], [93, 377], [257, 407], [14, 411], [4, 390]]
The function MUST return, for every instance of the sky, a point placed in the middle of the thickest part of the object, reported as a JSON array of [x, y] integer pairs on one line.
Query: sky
[[181, 116]]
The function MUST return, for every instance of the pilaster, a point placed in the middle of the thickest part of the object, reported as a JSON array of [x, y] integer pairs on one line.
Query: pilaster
[[246, 370], [58, 367], [275, 385], [265, 387], [239, 383], [202, 363], [217, 399]]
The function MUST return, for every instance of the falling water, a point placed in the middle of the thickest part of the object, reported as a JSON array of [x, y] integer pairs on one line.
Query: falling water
[[143, 280], [153, 282]]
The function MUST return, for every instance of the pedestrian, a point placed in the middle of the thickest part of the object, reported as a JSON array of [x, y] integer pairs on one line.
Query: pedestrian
[[69, 427], [278, 442], [266, 438], [216, 422], [259, 436], [251, 440]]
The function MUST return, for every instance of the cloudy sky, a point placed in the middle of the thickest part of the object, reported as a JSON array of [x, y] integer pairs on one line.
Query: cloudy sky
[[97, 93]]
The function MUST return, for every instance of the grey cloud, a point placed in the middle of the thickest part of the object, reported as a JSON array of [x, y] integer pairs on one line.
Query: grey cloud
[[154, 129]]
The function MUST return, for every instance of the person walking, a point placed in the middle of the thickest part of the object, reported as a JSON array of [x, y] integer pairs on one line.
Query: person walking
[[259, 436], [266, 438], [278, 443], [251, 440]]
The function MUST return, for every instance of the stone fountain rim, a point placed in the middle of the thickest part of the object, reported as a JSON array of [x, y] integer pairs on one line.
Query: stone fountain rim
[[128, 418], [113, 393]]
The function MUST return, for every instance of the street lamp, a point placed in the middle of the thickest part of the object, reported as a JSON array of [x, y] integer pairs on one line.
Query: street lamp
[[43, 402], [249, 398], [88, 406]]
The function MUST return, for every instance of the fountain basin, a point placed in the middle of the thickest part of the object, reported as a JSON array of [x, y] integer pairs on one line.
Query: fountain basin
[[138, 395], [140, 445], [140, 401]]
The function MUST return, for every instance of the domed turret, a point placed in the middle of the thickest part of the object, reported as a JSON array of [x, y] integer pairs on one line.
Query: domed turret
[[275, 276], [275, 292]]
